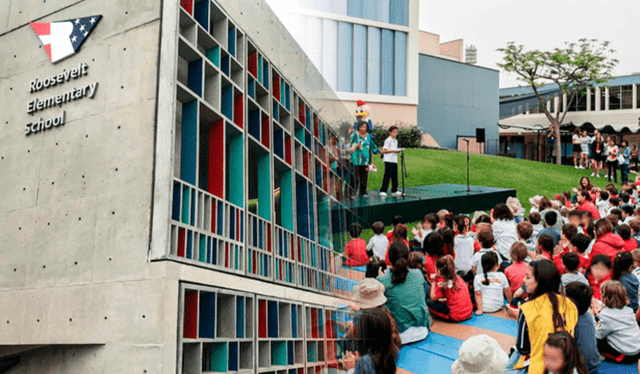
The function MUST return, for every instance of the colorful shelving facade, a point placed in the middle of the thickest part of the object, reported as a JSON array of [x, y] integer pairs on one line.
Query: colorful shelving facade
[[223, 331], [257, 182]]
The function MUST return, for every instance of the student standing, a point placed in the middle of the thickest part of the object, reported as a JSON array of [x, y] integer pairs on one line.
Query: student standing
[[360, 146], [390, 152]]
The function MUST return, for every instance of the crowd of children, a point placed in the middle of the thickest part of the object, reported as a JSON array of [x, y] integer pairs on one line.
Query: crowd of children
[[570, 271]]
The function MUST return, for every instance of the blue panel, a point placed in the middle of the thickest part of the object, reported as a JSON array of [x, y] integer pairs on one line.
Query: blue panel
[[454, 97], [345, 56], [382, 11], [374, 60], [501, 325], [189, 244], [359, 58], [354, 8], [294, 321], [227, 101], [194, 80], [399, 12], [233, 356], [201, 13], [400, 63], [272, 319], [264, 187], [254, 123], [188, 142], [175, 212], [207, 315], [416, 360], [240, 319], [278, 143], [232, 41], [290, 355], [369, 10], [387, 84]]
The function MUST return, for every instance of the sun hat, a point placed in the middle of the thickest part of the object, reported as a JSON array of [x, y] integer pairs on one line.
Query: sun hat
[[370, 293], [480, 354]]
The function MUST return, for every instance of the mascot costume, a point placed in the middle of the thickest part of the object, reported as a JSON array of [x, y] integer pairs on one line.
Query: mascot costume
[[363, 114]]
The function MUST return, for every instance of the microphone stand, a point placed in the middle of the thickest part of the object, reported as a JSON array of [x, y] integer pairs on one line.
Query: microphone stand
[[403, 170], [468, 185]]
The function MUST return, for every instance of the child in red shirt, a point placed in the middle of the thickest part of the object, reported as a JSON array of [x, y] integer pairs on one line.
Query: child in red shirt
[[515, 273], [599, 272], [449, 298], [355, 253], [433, 247]]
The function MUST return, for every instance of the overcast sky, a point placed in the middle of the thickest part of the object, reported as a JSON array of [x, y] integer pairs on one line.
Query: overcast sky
[[541, 24]]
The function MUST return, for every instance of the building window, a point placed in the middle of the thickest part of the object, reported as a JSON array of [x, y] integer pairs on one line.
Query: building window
[[387, 11], [620, 97], [638, 96], [603, 98], [552, 105], [579, 103], [592, 98]]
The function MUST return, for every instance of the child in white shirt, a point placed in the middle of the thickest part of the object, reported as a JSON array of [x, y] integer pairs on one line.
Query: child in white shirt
[[464, 245], [378, 244], [491, 285]]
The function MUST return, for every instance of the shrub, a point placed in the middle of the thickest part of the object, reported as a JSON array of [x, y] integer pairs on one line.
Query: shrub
[[409, 136]]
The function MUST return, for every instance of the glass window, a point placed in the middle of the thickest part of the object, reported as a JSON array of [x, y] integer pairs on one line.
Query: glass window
[[615, 97], [626, 97], [592, 98], [345, 56], [373, 61], [400, 64], [603, 98], [387, 62], [560, 104], [552, 103], [399, 12], [580, 102], [359, 58], [638, 96]]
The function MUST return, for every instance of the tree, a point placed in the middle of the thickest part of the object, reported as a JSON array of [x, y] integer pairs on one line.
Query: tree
[[574, 69]]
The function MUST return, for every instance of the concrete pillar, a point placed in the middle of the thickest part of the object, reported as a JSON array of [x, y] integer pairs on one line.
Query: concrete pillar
[[598, 97], [589, 93], [606, 99], [634, 97]]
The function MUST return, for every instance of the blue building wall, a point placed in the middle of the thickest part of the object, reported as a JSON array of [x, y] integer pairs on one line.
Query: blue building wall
[[455, 99]]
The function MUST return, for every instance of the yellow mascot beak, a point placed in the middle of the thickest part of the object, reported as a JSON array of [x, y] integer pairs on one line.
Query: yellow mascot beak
[[361, 114]]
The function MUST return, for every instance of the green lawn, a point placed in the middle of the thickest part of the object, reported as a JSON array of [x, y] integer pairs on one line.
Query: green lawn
[[427, 166]]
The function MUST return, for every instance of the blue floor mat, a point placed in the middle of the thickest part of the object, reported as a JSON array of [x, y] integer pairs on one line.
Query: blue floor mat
[[497, 324], [612, 368], [418, 361], [440, 345]]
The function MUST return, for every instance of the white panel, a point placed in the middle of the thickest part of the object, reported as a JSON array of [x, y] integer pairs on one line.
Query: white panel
[[330, 52]]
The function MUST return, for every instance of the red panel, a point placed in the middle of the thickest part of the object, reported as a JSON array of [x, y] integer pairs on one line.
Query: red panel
[[325, 178], [269, 237], [315, 126], [330, 332], [238, 112], [190, 329], [226, 255], [301, 115], [253, 64], [181, 242], [187, 5], [276, 88], [305, 164], [256, 266], [266, 132], [287, 149], [238, 227], [299, 250], [293, 248], [262, 319], [314, 323], [215, 179]]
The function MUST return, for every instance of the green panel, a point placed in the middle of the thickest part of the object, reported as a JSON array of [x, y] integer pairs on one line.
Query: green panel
[[264, 187], [219, 357], [186, 193], [279, 353], [213, 54], [203, 249], [236, 170], [286, 200]]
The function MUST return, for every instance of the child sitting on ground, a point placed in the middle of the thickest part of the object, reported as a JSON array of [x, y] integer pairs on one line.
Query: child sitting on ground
[[636, 263], [617, 330], [535, 219], [355, 253], [525, 231], [433, 249], [622, 266], [378, 243], [490, 286], [426, 227], [634, 225], [545, 247], [463, 246], [575, 218], [561, 355], [375, 267], [399, 235], [449, 295], [442, 215], [599, 272], [395, 221], [571, 262], [515, 273], [585, 330], [485, 238], [480, 227], [625, 233]]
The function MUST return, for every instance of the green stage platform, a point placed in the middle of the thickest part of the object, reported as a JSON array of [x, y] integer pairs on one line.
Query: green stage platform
[[421, 200]]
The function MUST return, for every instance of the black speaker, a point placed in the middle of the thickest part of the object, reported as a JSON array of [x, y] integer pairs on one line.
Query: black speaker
[[479, 135]]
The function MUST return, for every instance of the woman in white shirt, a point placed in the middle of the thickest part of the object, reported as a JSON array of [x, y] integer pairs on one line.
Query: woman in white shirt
[[612, 161]]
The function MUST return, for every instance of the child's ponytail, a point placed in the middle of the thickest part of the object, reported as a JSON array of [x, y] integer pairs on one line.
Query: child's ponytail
[[399, 258], [489, 261]]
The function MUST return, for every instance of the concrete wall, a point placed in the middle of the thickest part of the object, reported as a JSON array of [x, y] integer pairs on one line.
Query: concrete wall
[[453, 49], [455, 99], [77, 200]]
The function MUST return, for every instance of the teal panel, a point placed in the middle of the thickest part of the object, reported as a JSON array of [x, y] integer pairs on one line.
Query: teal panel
[[189, 138], [264, 187], [236, 170], [286, 200], [213, 54]]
